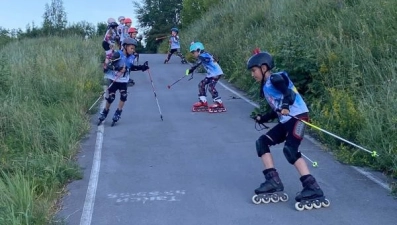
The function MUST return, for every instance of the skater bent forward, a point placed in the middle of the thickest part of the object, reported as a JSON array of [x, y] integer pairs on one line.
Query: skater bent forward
[[284, 99], [214, 73]]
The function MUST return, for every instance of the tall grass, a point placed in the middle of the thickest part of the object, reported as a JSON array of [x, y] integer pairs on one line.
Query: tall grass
[[340, 53], [46, 86]]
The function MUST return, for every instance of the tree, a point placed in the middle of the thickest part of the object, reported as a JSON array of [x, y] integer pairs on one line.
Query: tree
[[157, 17], [54, 18], [194, 9], [101, 28]]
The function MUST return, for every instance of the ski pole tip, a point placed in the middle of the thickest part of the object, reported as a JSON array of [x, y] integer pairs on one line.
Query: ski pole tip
[[374, 154], [168, 86], [315, 164]]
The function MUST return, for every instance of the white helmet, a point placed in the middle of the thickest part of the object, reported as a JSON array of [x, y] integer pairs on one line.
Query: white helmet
[[121, 18], [111, 20]]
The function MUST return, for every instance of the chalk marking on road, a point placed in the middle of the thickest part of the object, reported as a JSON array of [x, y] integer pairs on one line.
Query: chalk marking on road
[[361, 171], [88, 208], [168, 196]]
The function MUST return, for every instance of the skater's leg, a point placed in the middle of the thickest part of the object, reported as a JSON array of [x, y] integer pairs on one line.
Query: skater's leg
[[295, 134], [123, 95], [211, 88], [181, 55], [218, 104], [123, 98], [201, 105], [170, 53], [109, 100], [274, 136]]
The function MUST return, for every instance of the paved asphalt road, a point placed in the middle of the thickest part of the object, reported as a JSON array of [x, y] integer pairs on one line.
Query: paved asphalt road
[[201, 168]]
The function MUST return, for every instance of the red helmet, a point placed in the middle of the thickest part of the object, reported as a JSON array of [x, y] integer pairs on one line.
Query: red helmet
[[127, 20], [132, 30]]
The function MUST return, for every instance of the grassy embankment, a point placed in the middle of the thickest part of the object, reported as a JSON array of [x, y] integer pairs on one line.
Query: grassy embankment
[[46, 86], [341, 55]]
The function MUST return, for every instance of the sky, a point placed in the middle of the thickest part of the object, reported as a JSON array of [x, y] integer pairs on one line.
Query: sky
[[21, 13]]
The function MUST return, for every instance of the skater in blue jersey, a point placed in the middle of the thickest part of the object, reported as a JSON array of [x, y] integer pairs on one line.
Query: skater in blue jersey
[[214, 73], [284, 100], [175, 46], [118, 73]]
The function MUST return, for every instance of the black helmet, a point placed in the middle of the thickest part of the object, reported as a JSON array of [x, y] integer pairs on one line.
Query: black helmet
[[259, 59], [113, 24], [130, 41]]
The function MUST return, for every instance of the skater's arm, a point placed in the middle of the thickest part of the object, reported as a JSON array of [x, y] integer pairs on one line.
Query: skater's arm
[[142, 67], [281, 82], [194, 67]]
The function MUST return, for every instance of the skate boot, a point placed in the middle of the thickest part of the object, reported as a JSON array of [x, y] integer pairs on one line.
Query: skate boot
[[116, 116], [166, 61], [200, 106], [183, 61], [272, 190], [103, 115], [217, 107], [311, 196]]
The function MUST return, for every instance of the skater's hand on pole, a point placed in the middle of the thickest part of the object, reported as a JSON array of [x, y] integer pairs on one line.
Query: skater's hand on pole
[[145, 66], [285, 112], [189, 71]]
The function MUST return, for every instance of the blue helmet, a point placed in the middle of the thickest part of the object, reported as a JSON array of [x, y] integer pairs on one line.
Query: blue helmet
[[175, 29], [196, 46]]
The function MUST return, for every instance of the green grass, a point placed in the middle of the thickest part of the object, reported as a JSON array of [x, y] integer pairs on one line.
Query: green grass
[[341, 55], [47, 84]]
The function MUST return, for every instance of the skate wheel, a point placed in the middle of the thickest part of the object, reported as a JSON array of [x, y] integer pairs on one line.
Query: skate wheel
[[325, 203], [256, 200], [317, 204], [299, 206], [308, 206], [265, 199], [274, 198], [284, 197]]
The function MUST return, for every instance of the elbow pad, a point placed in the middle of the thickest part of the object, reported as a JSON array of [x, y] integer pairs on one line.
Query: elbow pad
[[288, 99]]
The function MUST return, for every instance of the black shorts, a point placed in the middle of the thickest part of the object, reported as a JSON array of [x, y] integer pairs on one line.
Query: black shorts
[[117, 86], [291, 132], [172, 51], [105, 45]]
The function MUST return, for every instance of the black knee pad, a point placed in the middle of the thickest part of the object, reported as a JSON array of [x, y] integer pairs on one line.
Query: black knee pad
[[291, 153], [123, 96], [262, 145], [111, 98]]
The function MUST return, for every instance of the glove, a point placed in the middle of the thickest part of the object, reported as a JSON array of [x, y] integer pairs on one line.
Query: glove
[[145, 66], [262, 118], [189, 71]]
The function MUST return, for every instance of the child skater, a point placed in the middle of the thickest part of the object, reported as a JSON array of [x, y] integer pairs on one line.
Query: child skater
[[285, 101], [214, 73]]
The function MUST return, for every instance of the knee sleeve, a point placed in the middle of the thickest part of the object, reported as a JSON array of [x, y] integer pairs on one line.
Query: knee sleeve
[[111, 98], [292, 154], [262, 145], [123, 96]]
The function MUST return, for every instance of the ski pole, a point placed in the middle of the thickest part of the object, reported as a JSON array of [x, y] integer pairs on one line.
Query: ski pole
[[104, 92], [187, 73], [373, 153], [314, 163], [155, 95]]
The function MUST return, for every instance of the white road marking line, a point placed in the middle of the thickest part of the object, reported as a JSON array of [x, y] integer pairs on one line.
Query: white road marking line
[[88, 208]]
